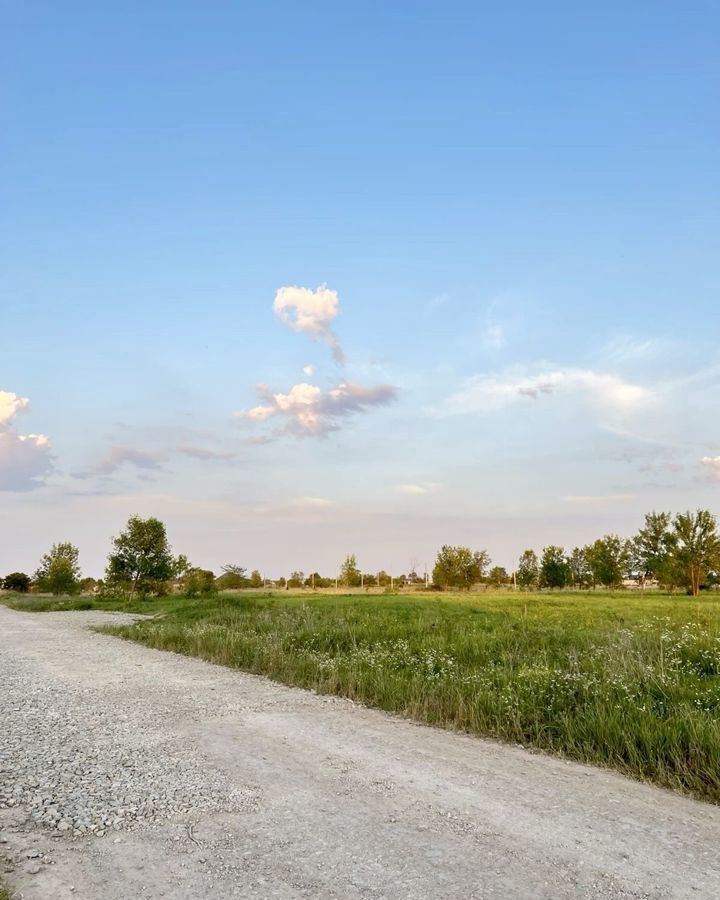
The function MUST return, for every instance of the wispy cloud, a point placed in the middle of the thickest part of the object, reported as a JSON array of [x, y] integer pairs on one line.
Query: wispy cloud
[[421, 489], [308, 411], [713, 465], [486, 393], [24, 458], [436, 302], [205, 455], [311, 313], [121, 456]]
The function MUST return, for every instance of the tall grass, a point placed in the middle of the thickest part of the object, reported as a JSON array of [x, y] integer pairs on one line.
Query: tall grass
[[628, 682]]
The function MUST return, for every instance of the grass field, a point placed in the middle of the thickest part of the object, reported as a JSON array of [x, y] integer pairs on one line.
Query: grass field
[[626, 681]]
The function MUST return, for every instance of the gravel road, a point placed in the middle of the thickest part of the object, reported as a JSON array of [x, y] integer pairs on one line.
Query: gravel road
[[127, 773]]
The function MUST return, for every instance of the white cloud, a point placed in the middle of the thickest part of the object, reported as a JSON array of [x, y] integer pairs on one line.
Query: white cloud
[[308, 370], [418, 490], [485, 393], [24, 458], [713, 464], [310, 312], [309, 411]]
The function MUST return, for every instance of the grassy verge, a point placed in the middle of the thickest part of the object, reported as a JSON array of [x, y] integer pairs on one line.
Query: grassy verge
[[46, 603], [624, 681]]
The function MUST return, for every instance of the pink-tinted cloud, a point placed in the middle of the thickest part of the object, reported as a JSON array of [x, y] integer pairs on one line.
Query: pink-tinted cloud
[[308, 411], [311, 313], [24, 458]]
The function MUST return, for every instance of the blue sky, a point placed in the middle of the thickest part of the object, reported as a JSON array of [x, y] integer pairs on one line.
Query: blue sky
[[511, 215]]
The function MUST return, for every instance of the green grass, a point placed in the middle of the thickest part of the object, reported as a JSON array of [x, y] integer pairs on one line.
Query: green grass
[[626, 681]]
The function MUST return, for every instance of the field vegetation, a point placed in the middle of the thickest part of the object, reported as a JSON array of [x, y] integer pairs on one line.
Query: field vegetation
[[626, 680]]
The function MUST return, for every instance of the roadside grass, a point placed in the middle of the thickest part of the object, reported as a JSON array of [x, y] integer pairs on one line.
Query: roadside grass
[[621, 680], [4, 894], [47, 603]]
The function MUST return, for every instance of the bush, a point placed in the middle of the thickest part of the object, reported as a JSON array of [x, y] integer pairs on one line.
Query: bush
[[17, 581]]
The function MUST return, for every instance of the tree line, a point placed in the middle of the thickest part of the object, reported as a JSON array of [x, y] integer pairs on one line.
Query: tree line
[[680, 551]]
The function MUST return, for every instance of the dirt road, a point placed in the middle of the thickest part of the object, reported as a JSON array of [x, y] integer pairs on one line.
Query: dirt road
[[128, 773]]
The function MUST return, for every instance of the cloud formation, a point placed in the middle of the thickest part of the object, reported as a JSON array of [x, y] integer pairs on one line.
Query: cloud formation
[[24, 458], [713, 464], [311, 313], [121, 455], [308, 411], [205, 455], [485, 393], [420, 490]]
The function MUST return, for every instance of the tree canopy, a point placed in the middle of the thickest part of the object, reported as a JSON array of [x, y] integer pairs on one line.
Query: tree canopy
[[141, 560], [59, 570], [459, 567]]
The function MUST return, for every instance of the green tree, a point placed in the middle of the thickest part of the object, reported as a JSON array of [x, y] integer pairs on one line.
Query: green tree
[[528, 570], [697, 546], [141, 560], [383, 578], [498, 577], [18, 582], [256, 579], [233, 578], [296, 579], [654, 550], [349, 572], [316, 580], [554, 568], [459, 567], [59, 570], [199, 582], [580, 574], [609, 560]]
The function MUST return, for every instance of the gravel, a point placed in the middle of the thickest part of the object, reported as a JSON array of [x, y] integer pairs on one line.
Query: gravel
[[80, 762], [128, 772]]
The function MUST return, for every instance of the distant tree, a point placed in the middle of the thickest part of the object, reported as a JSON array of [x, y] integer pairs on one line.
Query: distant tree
[[256, 579], [498, 577], [59, 570], [697, 546], [369, 580], [233, 578], [383, 578], [182, 566], [349, 572], [199, 582], [141, 561], [88, 585], [580, 574], [296, 580], [18, 582], [609, 560], [528, 570], [654, 550], [459, 567], [316, 580], [554, 568]]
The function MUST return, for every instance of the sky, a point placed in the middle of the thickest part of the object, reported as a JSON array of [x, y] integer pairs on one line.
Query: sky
[[310, 279]]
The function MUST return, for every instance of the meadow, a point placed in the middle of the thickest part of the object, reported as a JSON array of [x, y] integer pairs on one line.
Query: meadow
[[623, 680]]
